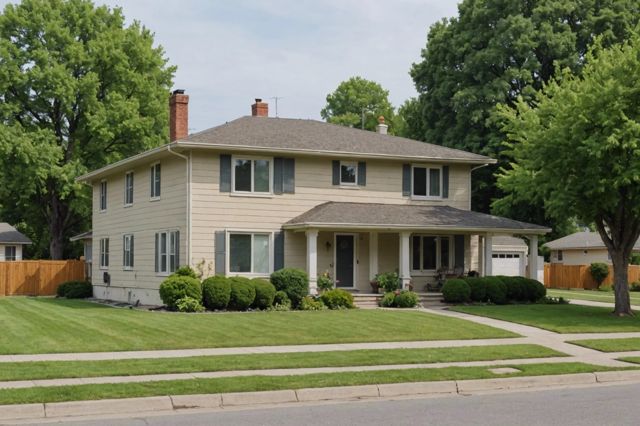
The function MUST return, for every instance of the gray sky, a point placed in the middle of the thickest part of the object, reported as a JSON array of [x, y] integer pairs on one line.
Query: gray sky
[[230, 52]]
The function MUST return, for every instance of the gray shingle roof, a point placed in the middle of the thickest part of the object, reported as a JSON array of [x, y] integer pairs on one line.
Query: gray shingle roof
[[84, 236], [580, 240], [403, 216], [288, 134], [9, 234]]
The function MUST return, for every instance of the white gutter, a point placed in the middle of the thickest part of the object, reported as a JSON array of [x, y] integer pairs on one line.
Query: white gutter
[[189, 169], [302, 226]]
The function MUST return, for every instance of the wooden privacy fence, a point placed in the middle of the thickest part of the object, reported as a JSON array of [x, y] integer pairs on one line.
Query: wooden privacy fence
[[38, 277], [557, 275]]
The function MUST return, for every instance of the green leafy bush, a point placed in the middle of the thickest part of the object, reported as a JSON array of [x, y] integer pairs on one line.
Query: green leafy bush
[[243, 293], [547, 300], [406, 299], [635, 259], [75, 290], [281, 298], [389, 281], [265, 293], [176, 287], [496, 290], [535, 290], [635, 286], [388, 300], [216, 292], [309, 303], [189, 304], [599, 272], [478, 288], [186, 271], [325, 282], [294, 282], [337, 299], [456, 291]]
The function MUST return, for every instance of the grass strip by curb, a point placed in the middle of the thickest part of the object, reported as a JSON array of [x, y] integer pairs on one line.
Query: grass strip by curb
[[264, 383], [610, 345], [631, 359], [590, 295], [73, 369]]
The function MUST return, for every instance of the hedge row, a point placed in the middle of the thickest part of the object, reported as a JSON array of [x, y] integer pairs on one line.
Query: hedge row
[[497, 289]]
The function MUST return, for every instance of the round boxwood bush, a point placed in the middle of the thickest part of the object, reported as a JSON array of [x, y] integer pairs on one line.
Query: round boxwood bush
[[478, 288], [216, 292], [177, 287], [406, 299], [75, 290], [536, 291], [265, 293], [281, 298], [294, 282], [456, 291], [388, 300], [516, 288], [186, 271], [243, 293], [337, 299], [496, 290]]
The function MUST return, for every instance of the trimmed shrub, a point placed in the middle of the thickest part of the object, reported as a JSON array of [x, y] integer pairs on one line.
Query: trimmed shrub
[[516, 288], [294, 282], [388, 300], [176, 287], [185, 271], [406, 299], [75, 290], [535, 290], [216, 292], [243, 293], [281, 298], [265, 293], [189, 304], [456, 291], [309, 303], [496, 290], [599, 272], [337, 299], [478, 288]]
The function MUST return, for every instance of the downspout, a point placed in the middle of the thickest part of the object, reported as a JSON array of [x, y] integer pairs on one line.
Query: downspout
[[189, 168]]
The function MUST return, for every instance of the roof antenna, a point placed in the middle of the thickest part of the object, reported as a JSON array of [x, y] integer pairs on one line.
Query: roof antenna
[[276, 98]]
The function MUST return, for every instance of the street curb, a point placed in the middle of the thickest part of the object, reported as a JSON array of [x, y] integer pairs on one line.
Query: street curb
[[173, 403]]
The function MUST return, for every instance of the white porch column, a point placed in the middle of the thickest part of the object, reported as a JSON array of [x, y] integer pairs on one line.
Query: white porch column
[[312, 260], [373, 255], [404, 264], [488, 255], [533, 257]]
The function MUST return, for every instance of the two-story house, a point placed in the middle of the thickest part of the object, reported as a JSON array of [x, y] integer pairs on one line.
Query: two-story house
[[257, 194]]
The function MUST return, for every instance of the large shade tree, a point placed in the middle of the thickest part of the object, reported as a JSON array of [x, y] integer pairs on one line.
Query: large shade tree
[[495, 51], [78, 89], [577, 151]]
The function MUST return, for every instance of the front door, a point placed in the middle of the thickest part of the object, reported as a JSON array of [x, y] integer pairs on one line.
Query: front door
[[345, 260]]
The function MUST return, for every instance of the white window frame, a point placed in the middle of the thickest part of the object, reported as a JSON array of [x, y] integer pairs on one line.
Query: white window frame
[[169, 250], [428, 168], [252, 159], [349, 163], [102, 200], [104, 253], [252, 233], [153, 195], [438, 238], [12, 258], [128, 203], [128, 255]]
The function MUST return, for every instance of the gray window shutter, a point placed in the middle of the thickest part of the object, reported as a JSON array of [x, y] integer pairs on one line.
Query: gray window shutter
[[225, 173], [458, 245], [177, 248], [132, 252], [289, 176], [278, 173], [445, 181], [406, 180], [157, 251], [278, 251], [336, 172], [362, 173], [124, 253], [220, 252]]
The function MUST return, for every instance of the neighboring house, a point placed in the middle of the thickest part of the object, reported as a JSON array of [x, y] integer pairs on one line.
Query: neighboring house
[[11, 243], [87, 251], [257, 194], [581, 248]]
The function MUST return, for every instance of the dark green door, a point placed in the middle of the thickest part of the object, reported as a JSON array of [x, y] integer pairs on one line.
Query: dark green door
[[345, 245]]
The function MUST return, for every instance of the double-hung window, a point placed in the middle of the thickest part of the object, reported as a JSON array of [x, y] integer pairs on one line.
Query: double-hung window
[[167, 252], [426, 182], [104, 253], [430, 253], [250, 253], [128, 189], [252, 175], [103, 195], [155, 181], [127, 252], [348, 173], [10, 253]]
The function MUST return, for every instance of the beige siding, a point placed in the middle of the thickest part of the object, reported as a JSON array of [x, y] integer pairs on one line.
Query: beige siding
[[143, 219], [581, 257]]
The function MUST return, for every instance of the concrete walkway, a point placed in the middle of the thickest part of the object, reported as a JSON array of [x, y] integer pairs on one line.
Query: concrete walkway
[[598, 304]]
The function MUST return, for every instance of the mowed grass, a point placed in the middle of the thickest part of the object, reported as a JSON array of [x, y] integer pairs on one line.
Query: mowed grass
[[264, 383], [47, 325], [610, 345], [70, 369], [558, 318], [591, 295]]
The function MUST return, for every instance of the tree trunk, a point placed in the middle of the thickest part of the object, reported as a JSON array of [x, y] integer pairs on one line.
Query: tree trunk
[[57, 222], [621, 284]]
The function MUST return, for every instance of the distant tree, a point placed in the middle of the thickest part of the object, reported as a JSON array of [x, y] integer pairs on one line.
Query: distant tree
[[575, 151], [78, 90], [355, 98], [408, 121]]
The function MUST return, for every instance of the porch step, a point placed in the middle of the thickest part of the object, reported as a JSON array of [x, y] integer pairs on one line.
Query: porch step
[[370, 301]]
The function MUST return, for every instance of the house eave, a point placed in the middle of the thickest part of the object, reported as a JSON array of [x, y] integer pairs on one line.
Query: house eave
[[412, 228]]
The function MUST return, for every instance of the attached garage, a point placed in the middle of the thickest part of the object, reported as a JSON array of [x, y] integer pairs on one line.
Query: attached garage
[[509, 256]]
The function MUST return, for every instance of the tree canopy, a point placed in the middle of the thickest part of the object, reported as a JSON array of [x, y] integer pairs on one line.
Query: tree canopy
[[79, 90], [355, 98], [576, 150]]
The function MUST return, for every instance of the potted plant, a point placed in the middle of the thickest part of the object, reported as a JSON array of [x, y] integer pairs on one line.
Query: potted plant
[[325, 282], [374, 286], [389, 281]]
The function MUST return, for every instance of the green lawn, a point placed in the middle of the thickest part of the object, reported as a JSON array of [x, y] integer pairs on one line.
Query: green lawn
[[46, 325], [69, 369], [558, 318], [610, 345], [263, 383], [633, 359], [592, 295]]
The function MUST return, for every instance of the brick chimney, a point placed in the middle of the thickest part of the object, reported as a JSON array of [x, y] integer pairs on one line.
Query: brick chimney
[[178, 115], [260, 109]]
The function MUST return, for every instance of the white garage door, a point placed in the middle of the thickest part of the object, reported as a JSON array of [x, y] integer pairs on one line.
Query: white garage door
[[509, 264]]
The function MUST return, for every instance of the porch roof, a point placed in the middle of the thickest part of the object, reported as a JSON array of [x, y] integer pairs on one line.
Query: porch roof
[[407, 217]]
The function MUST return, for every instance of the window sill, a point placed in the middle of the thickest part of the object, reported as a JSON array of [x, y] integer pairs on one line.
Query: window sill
[[102, 211], [249, 274], [424, 273], [129, 269], [251, 195], [420, 198], [349, 186], [154, 199], [104, 268], [128, 205], [162, 274]]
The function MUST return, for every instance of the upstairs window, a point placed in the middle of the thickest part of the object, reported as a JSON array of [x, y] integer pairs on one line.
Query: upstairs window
[[252, 175], [155, 181], [104, 253], [348, 173], [128, 189], [10, 253], [103, 195], [427, 182]]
